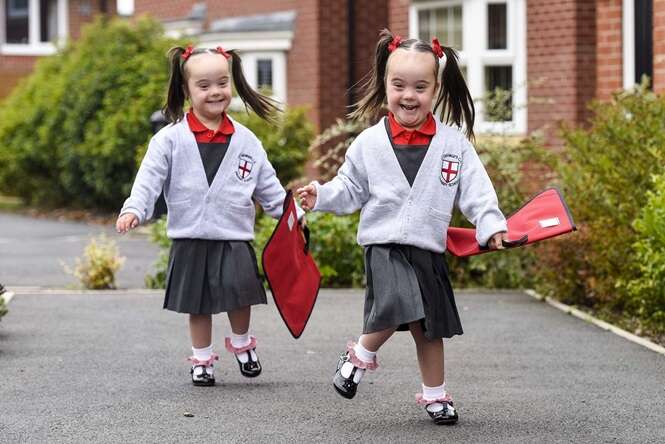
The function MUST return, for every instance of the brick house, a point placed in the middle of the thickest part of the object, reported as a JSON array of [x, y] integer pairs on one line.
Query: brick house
[[554, 55], [30, 29]]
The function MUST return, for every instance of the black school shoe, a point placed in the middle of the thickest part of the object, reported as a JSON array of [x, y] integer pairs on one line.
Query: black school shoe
[[345, 386], [251, 368], [204, 379], [446, 416]]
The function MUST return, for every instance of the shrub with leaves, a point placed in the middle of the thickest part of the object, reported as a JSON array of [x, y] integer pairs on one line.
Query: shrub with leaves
[[3, 306], [69, 133], [286, 144], [333, 247], [645, 298], [606, 175], [159, 237], [96, 270]]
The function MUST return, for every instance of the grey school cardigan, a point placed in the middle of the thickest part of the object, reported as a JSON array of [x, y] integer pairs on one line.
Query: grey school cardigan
[[394, 212], [223, 210]]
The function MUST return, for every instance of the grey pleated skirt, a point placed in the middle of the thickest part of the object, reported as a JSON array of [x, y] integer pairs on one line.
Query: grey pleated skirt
[[212, 276], [407, 284]]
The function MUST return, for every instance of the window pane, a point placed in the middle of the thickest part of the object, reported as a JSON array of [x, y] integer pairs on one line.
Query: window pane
[[16, 21], [442, 23], [48, 20], [499, 101], [497, 33], [423, 25], [264, 73]]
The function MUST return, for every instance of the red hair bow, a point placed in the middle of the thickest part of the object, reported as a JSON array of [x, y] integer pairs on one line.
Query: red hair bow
[[221, 51], [394, 44], [185, 55], [436, 47]]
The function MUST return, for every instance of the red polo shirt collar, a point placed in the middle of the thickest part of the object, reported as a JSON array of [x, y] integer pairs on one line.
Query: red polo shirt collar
[[420, 136], [206, 135]]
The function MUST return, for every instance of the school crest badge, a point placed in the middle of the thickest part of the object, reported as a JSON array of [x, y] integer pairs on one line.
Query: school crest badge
[[451, 168], [245, 167]]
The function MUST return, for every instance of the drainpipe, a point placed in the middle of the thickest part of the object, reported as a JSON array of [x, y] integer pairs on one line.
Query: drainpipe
[[351, 54]]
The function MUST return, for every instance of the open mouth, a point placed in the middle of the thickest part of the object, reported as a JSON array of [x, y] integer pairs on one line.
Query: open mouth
[[409, 107]]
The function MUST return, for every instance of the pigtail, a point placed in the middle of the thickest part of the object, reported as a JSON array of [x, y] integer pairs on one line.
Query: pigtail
[[374, 84], [454, 97], [263, 106], [175, 101]]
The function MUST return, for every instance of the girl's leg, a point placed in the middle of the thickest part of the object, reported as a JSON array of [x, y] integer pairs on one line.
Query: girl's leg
[[240, 342], [351, 367], [239, 320], [373, 341], [200, 327], [430, 360], [430, 356]]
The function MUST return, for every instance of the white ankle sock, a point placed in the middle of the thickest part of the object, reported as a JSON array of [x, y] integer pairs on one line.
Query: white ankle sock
[[239, 341], [202, 354], [364, 355], [432, 393]]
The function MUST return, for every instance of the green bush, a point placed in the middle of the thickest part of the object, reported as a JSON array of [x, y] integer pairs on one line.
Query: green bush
[[3, 306], [159, 237], [285, 144], [606, 172], [508, 162], [645, 293], [333, 246], [96, 271], [69, 133]]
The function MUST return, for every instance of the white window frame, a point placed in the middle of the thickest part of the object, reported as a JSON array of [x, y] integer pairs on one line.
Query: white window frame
[[628, 31], [35, 47], [475, 56]]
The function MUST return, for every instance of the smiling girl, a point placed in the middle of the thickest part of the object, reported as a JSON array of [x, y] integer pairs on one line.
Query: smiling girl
[[405, 174], [211, 169]]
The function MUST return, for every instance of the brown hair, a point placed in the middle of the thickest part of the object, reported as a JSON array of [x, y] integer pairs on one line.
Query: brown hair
[[263, 106], [453, 98]]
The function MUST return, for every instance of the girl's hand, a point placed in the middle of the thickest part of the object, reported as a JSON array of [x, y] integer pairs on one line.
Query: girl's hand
[[126, 222], [496, 241], [307, 196]]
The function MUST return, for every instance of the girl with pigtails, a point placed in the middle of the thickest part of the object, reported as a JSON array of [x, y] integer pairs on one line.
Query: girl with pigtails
[[211, 169], [406, 174]]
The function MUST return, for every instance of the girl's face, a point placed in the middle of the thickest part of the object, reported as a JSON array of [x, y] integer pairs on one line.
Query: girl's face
[[208, 85], [410, 86]]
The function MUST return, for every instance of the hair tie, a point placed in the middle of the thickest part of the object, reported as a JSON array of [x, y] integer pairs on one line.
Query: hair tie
[[394, 44], [436, 47], [188, 52], [221, 51]]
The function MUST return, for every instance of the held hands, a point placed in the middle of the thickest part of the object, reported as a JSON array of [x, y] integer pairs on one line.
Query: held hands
[[307, 196], [496, 241], [126, 222]]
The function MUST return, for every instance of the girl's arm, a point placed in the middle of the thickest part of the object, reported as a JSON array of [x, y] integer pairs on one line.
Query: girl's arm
[[477, 199], [269, 192], [347, 192], [149, 181]]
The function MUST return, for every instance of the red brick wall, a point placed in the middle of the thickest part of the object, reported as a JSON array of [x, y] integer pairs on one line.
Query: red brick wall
[[371, 17], [164, 9], [333, 61], [560, 62], [13, 68], [659, 46], [398, 16], [609, 50]]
